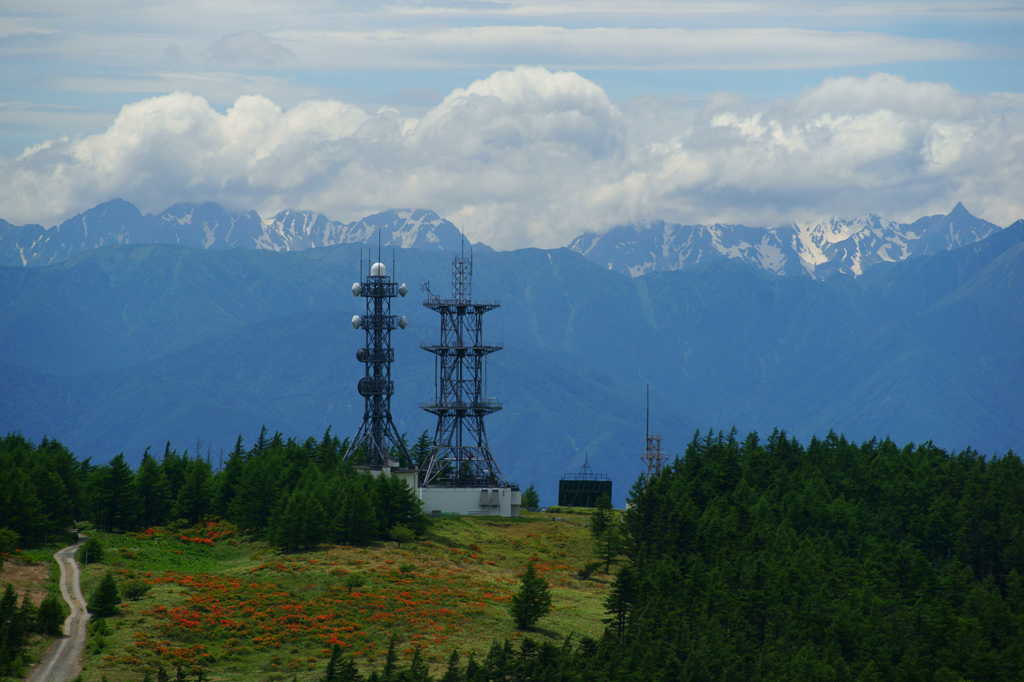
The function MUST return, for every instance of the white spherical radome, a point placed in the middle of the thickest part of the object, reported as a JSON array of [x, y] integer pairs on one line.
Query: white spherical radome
[[402, 322], [356, 322], [357, 289], [378, 270], [402, 289]]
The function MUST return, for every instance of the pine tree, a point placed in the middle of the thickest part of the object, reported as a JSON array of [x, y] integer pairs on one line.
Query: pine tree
[[397, 504], [421, 451], [195, 497], [20, 508], [601, 518], [24, 622], [418, 670], [532, 601], [8, 543], [173, 466], [299, 523], [356, 522], [114, 500], [106, 598], [91, 552], [261, 441], [390, 671], [609, 543], [153, 494], [50, 617], [530, 499], [473, 671], [620, 601], [454, 671], [333, 665], [229, 479]]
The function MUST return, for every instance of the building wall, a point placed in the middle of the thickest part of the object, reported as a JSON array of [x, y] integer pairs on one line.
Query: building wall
[[471, 501], [582, 493]]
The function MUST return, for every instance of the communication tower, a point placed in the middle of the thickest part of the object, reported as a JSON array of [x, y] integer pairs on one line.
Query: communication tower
[[378, 432], [653, 457], [461, 455]]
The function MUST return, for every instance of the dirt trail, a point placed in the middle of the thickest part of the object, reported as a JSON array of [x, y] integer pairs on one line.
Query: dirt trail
[[63, 659]]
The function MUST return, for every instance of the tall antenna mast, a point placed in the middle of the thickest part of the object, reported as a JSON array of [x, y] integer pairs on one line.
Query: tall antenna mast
[[653, 457], [378, 433]]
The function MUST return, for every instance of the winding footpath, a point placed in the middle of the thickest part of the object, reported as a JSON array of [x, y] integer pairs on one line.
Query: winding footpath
[[63, 659]]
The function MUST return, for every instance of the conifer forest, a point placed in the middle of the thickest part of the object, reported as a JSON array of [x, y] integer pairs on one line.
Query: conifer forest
[[744, 559]]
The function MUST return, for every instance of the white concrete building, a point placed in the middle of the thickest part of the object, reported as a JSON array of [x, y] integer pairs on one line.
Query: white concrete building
[[470, 501]]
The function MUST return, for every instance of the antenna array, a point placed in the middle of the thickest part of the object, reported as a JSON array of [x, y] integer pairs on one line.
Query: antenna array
[[461, 455], [378, 433]]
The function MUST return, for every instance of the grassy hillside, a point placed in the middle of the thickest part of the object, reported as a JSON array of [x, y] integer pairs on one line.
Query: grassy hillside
[[242, 611]]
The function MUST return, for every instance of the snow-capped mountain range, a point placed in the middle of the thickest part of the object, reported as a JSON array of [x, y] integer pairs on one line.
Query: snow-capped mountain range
[[211, 226], [820, 250]]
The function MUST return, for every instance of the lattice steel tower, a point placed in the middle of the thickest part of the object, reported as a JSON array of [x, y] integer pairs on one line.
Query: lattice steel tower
[[653, 457], [461, 456], [378, 432]]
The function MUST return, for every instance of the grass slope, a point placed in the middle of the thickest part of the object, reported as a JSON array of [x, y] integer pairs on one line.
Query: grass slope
[[242, 611]]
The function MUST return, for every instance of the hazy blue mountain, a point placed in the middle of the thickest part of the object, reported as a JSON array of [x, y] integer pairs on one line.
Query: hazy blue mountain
[[659, 246], [125, 347], [820, 250], [211, 226]]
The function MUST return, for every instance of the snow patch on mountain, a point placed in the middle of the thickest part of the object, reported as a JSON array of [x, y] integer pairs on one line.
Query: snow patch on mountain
[[211, 226], [821, 249]]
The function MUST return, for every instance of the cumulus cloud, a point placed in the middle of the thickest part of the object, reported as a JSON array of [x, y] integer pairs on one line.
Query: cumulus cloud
[[533, 157]]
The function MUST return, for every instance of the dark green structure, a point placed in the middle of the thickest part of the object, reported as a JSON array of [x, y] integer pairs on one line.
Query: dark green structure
[[583, 492], [583, 488]]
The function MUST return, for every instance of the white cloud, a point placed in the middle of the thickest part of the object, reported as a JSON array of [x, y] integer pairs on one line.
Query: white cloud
[[533, 157], [220, 87], [612, 47], [14, 27]]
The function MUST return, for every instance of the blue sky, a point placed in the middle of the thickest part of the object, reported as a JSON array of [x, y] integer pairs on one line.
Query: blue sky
[[636, 110]]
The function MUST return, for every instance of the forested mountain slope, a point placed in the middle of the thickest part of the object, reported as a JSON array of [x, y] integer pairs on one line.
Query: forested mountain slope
[[127, 347]]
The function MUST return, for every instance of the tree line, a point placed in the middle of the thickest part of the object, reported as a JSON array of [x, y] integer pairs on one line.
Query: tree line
[[743, 559], [295, 495]]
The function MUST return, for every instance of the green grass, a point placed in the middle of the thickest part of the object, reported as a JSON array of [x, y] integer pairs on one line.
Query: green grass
[[243, 611]]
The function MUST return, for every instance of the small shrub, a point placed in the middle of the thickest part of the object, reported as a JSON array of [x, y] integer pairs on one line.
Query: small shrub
[[355, 581], [588, 570], [530, 499], [400, 534], [532, 601], [135, 589], [91, 552], [105, 599]]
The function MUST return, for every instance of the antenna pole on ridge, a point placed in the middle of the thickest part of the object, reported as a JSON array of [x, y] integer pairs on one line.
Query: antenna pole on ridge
[[647, 412]]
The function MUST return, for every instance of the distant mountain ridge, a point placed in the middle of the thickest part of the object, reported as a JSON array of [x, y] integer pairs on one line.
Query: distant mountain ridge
[[819, 250], [211, 226]]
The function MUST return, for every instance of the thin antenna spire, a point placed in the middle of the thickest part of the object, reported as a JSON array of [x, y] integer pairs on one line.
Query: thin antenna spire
[[647, 426], [653, 457]]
